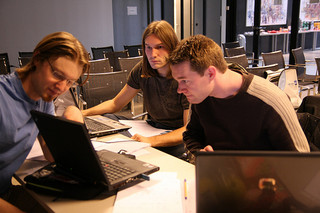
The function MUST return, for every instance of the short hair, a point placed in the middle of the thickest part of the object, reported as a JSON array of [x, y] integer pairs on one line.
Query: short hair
[[54, 45], [201, 52], [164, 31]]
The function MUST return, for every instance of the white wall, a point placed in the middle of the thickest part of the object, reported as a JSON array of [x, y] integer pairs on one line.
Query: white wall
[[25, 22]]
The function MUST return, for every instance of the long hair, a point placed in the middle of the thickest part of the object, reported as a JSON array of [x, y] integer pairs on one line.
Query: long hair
[[52, 46], [164, 31]]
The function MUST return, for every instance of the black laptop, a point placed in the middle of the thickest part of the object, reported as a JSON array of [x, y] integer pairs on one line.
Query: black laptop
[[244, 181], [97, 125], [74, 155]]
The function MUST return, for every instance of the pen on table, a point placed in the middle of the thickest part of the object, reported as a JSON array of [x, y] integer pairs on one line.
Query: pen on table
[[185, 189]]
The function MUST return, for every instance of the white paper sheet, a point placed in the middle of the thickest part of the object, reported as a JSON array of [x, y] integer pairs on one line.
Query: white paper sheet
[[161, 194], [143, 128], [117, 144]]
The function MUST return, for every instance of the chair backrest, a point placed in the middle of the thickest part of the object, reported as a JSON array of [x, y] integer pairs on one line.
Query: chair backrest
[[239, 59], [23, 60], [4, 63], [261, 71], [275, 57], [25, 54], [235, 51], [318, 65], [127, 64], [134, 50], [102, 86], [229, 45], [100, 66], [300, 61], [98, 52], [288, 82], [113, 58], [3, 66]]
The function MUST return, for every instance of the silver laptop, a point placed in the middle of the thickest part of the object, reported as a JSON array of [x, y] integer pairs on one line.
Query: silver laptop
[[247, 181], [97, 125], [74, 155]]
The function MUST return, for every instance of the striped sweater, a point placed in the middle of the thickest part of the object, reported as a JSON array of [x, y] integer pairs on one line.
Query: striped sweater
[[259, 117]]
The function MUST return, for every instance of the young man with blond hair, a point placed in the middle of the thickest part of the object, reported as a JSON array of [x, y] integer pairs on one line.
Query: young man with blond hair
[[58, 61]]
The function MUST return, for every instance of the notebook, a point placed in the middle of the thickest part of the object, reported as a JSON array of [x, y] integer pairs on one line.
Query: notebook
[[97, 125], [244, 181], [74, 155]]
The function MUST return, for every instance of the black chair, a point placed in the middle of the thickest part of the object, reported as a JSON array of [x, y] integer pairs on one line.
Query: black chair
[[4, 63], [239, 59], [100, 66], [318, 70], [102, 86], [239, 51], [229, 45], [25, 54], [301, 63], [98, 52], [275, 57], [23, 61], [134, 50], [310, 104], [127, 64], [113, 58], [262, 70]]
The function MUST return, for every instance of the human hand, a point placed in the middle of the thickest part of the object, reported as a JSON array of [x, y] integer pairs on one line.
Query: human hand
[[207, 149], [73, 113], [141, 138]]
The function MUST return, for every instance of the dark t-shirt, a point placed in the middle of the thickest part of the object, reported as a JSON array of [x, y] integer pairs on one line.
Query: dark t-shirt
[[161, 100]]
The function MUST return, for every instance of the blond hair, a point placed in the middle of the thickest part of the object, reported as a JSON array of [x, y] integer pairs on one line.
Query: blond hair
[[54, 45]]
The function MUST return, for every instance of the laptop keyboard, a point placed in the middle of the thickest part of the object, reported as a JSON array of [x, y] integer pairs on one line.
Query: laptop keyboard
[[115, 172], [95, 125]]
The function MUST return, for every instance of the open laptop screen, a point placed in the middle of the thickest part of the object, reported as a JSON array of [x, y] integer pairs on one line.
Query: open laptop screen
[[257, 182]]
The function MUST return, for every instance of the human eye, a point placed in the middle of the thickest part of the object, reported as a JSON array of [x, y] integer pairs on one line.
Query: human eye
[[58, 75], [72, 82], [148, 47]]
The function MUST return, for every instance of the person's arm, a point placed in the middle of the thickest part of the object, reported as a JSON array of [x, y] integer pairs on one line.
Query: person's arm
[[193, 137], [169, 139], [114, 105], [45, 149], [73, 113], [8, 207]]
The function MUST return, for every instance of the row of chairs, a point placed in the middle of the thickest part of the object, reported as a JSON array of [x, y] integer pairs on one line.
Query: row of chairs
[[104, 85], [116, 64], [109, 63], [5, 67], [238, 55], [100, 52]]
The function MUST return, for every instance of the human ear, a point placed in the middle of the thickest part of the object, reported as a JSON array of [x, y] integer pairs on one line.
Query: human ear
[[212, 72]]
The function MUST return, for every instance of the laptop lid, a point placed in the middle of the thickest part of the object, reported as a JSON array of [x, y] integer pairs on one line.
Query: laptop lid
[[244, 181], [97, 125], [72, 150]]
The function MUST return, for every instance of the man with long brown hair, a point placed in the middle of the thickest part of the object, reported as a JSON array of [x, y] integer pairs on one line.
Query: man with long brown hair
[[58, 61], [166, 108]]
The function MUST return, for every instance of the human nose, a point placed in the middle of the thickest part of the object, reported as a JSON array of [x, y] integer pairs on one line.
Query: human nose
[[181, 88], [154, 52]]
